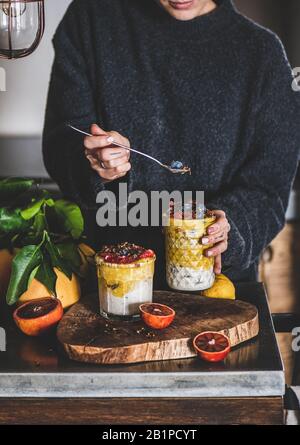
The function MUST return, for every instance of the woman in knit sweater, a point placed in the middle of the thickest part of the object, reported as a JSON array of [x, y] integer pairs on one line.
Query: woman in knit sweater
[[189, 80]]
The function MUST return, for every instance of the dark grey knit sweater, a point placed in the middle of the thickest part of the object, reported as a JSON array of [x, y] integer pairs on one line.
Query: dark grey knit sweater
[[214, 92]]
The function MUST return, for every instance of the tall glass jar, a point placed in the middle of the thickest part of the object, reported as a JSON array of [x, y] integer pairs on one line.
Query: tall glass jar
[[187, 268], [123, 287]]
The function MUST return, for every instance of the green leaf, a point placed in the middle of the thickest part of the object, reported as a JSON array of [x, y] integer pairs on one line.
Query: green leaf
[[11, 221], [40, 223], [57, 260], [34, 208], [69, 217], [10, 188], [26, 260], [32, 276], [69, 252], [47, 276], [28, 238]]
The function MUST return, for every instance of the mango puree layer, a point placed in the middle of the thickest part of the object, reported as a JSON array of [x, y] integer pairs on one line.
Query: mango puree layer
[[120, 279], [183, 243]]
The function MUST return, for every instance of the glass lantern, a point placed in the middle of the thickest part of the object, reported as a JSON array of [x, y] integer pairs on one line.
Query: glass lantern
[[22, 25]]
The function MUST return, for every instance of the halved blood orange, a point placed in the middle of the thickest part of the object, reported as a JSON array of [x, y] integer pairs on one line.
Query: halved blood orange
[[157, 316], [38, 316], [212, 346]]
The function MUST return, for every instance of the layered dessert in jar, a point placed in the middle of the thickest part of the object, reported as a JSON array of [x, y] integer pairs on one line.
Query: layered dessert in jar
[[125, 279], [187, 267]]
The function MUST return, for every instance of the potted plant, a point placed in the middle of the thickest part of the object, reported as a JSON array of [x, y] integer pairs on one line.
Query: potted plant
[[41, 244]]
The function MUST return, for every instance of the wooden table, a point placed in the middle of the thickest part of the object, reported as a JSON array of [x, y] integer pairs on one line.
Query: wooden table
[[36, 377]]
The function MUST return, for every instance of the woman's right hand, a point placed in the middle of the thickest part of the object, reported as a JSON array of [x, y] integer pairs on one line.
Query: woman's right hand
[[109, 161]]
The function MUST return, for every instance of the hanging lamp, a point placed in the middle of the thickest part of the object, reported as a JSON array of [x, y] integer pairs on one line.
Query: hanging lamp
[[22, 25]]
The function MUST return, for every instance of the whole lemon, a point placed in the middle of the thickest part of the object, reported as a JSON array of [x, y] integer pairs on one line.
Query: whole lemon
[[5, 270], [223, 287], [68, 291]]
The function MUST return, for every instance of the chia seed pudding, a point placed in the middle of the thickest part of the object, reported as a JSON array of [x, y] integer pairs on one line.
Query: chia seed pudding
[[125, 279], [187, 267]]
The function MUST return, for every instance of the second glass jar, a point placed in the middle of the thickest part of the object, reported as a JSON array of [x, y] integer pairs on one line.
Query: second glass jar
[[187, 267]]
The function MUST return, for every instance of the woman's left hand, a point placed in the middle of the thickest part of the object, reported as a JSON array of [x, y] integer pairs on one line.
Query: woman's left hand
[[217, 235]]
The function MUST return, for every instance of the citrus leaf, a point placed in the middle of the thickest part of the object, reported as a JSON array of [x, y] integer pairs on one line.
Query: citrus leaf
[[11, 221], [32, 276], [10, 188], [69, 217], [50, 202], [47, 276], [40, 223], [23, 264], [34, 208], [57, 260], [69, 252]]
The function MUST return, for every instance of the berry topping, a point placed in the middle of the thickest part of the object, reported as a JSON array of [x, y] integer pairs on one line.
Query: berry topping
[[177, 165], [124, 253]]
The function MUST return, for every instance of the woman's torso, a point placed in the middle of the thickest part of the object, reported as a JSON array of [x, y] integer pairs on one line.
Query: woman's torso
[[176, 95]]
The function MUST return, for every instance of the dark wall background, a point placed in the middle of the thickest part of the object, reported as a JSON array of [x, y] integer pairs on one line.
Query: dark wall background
[[283, 17]]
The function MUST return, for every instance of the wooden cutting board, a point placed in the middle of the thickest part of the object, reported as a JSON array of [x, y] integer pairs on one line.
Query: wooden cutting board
[[87, 337]]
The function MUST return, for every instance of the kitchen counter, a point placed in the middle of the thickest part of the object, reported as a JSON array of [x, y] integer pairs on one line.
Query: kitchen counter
[[37, 369]]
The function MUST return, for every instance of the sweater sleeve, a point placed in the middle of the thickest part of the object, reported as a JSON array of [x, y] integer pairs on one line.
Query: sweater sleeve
[[70, 101], [257, 199]]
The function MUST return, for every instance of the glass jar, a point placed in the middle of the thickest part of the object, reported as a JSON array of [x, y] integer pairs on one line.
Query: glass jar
[[124, 287], [187, 268]]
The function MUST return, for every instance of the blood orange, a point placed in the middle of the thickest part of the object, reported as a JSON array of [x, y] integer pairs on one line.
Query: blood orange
[[38, 316], [157, 316], [212, 346]]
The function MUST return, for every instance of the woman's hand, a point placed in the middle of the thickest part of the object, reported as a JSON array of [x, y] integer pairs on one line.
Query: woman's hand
[[109, 161], [218, 236]]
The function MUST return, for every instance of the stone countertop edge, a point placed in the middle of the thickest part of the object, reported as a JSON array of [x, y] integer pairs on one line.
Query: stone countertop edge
[[120, 385]]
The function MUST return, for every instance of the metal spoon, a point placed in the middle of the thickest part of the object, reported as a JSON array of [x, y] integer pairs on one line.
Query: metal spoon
[[181, 171]]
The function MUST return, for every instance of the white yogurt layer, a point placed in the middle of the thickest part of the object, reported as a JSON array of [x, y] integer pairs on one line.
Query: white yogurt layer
[[189, 279], [130, 302]]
